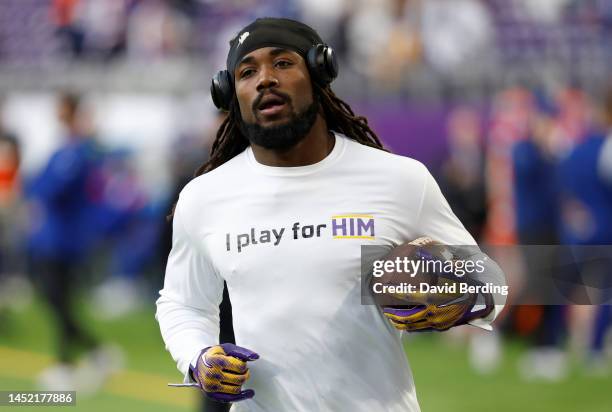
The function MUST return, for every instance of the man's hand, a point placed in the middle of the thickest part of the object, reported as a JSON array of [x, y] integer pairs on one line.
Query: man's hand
[[423, 318], [222, 370], [439, 310]]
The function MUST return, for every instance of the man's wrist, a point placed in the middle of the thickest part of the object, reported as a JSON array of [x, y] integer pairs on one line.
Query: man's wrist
[[193, 365], [482, 307]]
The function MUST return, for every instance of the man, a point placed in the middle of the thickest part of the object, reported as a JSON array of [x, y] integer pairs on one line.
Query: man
[[536, 212], [61, 237], [59, 242], [585, 177], [296, 183]]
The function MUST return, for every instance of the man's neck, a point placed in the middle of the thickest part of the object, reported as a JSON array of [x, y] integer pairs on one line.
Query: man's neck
[[315, 147]]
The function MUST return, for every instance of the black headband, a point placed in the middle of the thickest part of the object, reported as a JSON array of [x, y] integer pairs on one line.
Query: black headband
[[271, 32]]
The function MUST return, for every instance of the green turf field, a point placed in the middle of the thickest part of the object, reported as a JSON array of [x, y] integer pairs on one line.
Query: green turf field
[[443, 377]]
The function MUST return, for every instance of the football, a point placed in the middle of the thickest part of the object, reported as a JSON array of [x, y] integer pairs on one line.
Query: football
[[413, 274]]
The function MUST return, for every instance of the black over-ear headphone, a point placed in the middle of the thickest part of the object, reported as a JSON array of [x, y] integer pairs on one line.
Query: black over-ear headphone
[[321, 62]]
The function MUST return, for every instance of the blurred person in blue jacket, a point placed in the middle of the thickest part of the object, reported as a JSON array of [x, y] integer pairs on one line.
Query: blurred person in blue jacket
[[534, 161], [586, 198], [63, 229]]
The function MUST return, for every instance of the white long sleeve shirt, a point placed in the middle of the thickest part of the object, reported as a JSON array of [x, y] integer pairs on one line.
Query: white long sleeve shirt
[[287, 242]]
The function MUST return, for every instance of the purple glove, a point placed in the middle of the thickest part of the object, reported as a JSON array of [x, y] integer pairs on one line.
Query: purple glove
[[398, 316], [423, 318], [222, 370]]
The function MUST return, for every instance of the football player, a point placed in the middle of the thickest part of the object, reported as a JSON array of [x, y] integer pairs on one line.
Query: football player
[[295, 184]]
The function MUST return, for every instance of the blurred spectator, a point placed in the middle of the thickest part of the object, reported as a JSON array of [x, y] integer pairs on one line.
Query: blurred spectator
[[328, 17], [455, 33], [511, 109], [586, 201], [61, 238], [69, 29], [586, 193], [508, 123], [462, 178], [384, 39], [104, 26], [535, 191], [156, 30], [536, 209], [573, 121]]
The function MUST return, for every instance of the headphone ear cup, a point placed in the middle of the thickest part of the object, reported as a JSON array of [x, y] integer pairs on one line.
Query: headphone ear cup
[[221, 90], [331, 63], [322, 64]]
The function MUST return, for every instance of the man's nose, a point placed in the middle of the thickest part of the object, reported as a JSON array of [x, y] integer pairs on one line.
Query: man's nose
[[266, 79]]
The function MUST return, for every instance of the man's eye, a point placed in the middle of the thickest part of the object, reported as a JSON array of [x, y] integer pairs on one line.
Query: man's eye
[[283, 63], [246, 73]]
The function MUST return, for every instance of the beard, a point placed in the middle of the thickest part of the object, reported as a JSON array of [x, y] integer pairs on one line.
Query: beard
[[284, 136]]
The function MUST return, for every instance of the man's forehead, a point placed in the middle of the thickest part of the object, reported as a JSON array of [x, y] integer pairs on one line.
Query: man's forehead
[[266, 51]]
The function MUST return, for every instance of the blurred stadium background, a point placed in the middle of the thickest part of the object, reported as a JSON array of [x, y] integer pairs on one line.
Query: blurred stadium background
[[493, 95]]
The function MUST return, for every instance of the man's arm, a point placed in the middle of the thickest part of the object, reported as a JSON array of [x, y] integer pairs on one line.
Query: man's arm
[[60, 174], [437, 220], [188, 306]]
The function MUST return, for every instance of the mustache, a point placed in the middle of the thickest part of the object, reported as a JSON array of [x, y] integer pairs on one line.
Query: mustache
[[286, 98]]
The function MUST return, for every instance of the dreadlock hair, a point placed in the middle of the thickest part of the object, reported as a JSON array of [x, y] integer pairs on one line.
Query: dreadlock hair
[[338, 115]]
